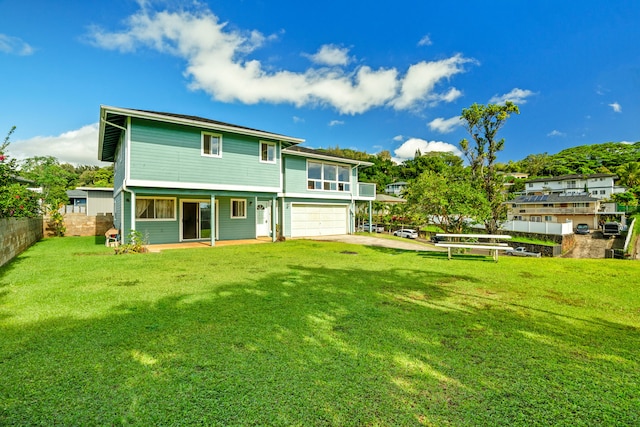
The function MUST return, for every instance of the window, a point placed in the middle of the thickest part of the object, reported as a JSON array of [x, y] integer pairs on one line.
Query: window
[[238, 208], [548, 218], [150, 209], [267, 152], [211, 144], [328, 177], [571, 184]]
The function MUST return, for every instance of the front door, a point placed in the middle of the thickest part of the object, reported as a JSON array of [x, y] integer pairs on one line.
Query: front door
[[196, 220], [263, 219]]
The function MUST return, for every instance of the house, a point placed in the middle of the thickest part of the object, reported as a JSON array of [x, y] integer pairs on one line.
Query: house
[[90, 201], [600, 185], [396, 188], [558, 208], [183, 178]]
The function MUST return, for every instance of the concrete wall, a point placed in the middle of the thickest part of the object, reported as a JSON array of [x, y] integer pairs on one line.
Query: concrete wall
[[16, 235], [80, 224]]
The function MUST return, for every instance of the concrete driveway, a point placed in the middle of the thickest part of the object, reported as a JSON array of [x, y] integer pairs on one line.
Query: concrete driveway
[[406, 244]]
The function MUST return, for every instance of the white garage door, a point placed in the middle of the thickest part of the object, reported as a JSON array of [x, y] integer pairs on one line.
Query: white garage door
[[318, 220]]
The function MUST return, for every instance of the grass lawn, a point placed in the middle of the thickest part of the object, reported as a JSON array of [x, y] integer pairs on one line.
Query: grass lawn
[[315, 333]]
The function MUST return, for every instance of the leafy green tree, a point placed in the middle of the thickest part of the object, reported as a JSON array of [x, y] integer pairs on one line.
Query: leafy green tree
[[15, 199], [483, 123], [629, 174], [450, 197], [436, 161]]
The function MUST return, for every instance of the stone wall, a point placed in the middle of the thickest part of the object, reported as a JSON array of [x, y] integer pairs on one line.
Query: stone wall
[[16, 235], [78, 224]]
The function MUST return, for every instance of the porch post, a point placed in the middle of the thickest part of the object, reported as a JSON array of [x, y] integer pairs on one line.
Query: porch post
[[274, 218], [213, 220], [370, 216], [133, 212]]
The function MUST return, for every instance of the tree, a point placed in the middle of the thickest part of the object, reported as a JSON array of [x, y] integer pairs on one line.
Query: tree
[[15, 199], [448, 197], [483, 123], [629, 174]]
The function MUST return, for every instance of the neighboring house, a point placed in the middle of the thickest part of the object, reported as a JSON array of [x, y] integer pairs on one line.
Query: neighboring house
[[579, 208], [90, 201], [185, 178], [600, 186], [396, 188]]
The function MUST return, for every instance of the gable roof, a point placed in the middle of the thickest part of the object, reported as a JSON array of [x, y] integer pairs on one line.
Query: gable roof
[[296, 150], [113, 121]]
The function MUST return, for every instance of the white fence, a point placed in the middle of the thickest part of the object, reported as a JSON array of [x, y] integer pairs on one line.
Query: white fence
[[555, 228]]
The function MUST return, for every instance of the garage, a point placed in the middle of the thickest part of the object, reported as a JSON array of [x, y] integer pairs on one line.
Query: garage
[[318, 220]]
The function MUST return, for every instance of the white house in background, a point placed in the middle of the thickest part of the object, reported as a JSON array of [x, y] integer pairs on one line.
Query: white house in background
[[600, 185], [396, 188]]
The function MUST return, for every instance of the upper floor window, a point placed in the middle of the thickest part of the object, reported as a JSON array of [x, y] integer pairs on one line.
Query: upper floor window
[[238, 208], [211, 144], [328, 176], [155, 208], [571, 184], [267, 152]]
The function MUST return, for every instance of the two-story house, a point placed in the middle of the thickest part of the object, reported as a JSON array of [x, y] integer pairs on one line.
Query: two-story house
[[600, 185], [579, 208], [183, 178]]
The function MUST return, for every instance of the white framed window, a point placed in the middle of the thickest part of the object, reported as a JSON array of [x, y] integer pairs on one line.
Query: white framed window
[[238, 208], [548, 218], [211, 144], [267, 152], [155, 208], [328, 176]]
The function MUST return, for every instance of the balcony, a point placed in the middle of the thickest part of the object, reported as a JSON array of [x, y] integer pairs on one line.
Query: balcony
[[554, 211], [366, 190]]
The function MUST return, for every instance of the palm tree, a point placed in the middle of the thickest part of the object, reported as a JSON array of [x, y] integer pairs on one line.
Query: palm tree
[[629, 174]]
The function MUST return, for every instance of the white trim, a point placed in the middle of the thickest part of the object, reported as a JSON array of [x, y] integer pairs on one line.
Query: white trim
[[327, 157], [322, 180], [275, 152], [210, 134], [202, 124], [325, 195], [231, 208], [175, 202], [200, 186]]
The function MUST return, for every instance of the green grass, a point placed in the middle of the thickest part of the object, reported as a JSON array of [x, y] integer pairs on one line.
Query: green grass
[[315, 333]]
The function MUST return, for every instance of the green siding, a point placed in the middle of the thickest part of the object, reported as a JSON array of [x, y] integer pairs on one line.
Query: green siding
[[295, 174], [236, 228], [159, 231], [168, 152]]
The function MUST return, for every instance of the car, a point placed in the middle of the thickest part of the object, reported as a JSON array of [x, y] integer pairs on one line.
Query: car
[[374, 227], [582, 229], [521, 251], [438, 239], [406, 232]]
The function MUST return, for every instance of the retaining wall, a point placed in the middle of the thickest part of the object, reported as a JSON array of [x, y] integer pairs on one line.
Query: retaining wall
[[16, 235], [80, 224]]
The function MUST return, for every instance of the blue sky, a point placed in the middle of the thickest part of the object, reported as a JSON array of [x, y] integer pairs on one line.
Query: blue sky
[[354, 74]]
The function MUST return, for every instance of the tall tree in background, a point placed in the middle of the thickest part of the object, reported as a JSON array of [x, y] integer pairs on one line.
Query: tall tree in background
[[16, 200], [483, 123]]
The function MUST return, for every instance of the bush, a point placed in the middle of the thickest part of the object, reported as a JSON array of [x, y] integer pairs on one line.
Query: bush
[[137, 244]]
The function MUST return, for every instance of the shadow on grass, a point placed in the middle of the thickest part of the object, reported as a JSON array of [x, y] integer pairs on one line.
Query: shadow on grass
[[319, 346]]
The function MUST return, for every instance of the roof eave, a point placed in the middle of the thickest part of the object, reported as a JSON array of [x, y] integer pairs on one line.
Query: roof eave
[[327, 157]]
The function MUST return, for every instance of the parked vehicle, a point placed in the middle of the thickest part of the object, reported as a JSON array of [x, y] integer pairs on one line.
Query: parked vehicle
[[582, 229], [522, 251], [438, 239], [406, 232], [376, 228], [611, 229]]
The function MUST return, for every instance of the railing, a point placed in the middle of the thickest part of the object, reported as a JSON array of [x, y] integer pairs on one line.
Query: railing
[[554, 211], [366, 190], [73, 209]]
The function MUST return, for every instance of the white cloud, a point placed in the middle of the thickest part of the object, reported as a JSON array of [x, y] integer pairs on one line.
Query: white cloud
[[418, 85], [218, 61], [398, 138], [330, 55], [336, 122], [14, 45], [517, 96], [556, 133], [297, 119], [78, 147], [617, 108], [408, 149], [443, 125], [425, 41]]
